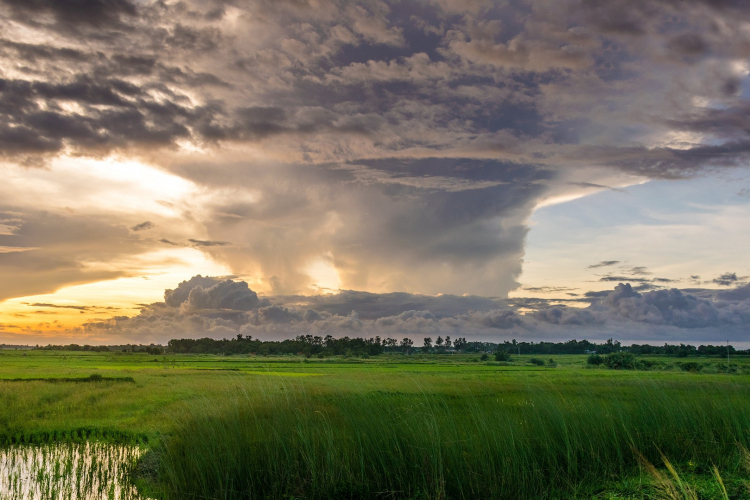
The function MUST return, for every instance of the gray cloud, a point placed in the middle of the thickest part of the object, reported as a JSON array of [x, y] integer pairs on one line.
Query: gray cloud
[[208, 243], [604, 263], [222, 308], [377, 305], [348, 80], [567, 316], [175, 297], [64, 247], [672, 308], [229, 295], [55, 306], [662, 307], [143, 226], [740, 293], [727, 279], [94, 13]]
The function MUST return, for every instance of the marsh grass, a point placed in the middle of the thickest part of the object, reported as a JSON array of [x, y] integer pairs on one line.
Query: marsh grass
[[537, 441], [94, 377], [672, 484], [69, 471]]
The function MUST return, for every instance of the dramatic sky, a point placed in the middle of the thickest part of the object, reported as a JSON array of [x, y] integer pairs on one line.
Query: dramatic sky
[[530, 169]]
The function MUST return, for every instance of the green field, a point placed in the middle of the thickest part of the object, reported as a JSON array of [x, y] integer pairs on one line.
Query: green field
[[392, 426]]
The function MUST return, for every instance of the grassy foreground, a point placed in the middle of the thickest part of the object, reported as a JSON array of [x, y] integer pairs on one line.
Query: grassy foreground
[[390, 427]]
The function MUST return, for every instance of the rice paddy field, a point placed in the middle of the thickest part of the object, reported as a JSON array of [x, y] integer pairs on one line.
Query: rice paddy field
[[138, 426]]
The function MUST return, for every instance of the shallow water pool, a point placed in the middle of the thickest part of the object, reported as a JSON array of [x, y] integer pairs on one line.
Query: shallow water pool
[[86, 471]]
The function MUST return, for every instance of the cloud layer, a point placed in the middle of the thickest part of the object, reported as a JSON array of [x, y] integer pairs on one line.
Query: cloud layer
[[384, 146], [220, 308]]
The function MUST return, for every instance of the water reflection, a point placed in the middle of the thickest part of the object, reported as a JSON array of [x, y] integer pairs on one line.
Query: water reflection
[[88, 471]]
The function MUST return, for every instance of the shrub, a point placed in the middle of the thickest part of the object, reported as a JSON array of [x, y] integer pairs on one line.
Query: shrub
[[536, 361], [484, 357], [690, 366], [502, 355], [551, 363], [620, 361], [595, 359], [644, 364]]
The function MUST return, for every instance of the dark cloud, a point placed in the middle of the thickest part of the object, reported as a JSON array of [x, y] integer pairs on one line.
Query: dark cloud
[[688, 44], [330, 84], [208, 243], [604, 263], [739, 293], [639, 271], [623, 278], [114, 114], [567, 316], [727, 279], [93, 13], [548, 289], [143, 226], [376, 305], [278, 314], [595, 186], [31, 52], [662, 307], [502, 319], [56, 306], [674, 308]]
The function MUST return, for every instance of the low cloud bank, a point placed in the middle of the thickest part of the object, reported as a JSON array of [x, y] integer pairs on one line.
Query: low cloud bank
[[218, 308]]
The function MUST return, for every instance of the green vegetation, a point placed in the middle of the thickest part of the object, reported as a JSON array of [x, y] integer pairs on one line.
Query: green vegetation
[[397, 426], [529, 440], [310, 345]]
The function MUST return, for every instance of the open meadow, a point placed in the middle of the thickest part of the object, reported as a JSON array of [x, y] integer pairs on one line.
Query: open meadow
[[391, 426]]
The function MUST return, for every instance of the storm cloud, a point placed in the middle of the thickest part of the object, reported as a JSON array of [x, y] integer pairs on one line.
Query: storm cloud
[[385, 151]]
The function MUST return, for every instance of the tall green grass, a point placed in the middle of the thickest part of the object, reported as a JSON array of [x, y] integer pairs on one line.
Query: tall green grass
[[536, 440]]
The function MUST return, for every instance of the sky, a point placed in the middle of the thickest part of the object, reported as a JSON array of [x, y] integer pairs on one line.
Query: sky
[[528, 169]]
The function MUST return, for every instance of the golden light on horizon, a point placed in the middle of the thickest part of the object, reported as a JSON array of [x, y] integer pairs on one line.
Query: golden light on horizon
[[71, 306]]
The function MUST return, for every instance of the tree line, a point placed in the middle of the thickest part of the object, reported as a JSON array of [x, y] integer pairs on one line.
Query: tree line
[[310, 345]]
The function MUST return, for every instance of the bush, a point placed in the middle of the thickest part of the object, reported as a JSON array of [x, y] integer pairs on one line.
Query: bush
[[551, 363], [484, 357], [644, 364], [690, 366], [536, 361], [595, 359], [620, 361], [502, 356]]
